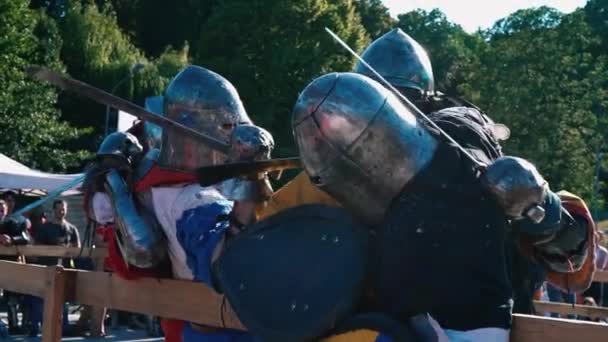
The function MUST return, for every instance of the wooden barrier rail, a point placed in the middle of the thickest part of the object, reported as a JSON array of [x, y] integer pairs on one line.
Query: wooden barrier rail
[[540, 329], [569, 309], [195, 302], [54, 251], [601, 276], [579, 310]]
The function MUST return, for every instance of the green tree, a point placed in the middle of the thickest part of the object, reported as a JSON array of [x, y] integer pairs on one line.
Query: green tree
[[156, 75], [542, 82], [270, 50], [375, 17], [127, 15], [153, 25], [529, 19], [451, 49], [30, 127], [98, 52]]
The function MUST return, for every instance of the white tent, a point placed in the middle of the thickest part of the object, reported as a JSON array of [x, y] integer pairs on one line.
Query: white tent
[[14, 175], [125, 121]]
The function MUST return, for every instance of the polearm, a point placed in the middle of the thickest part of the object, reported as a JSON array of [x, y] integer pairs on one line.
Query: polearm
[[105, 98], [206, 175], [405, 100], [50, 196], [209, 175]]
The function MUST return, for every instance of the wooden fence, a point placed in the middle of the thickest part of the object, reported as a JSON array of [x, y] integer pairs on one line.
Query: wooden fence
[[197, 303]]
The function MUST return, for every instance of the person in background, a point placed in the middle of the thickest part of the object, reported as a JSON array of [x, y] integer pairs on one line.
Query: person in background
[[557, 296], [3, 209], [92, 320], [589, 301], [14, 232], [37, 218], [9, 198], [56, 232], [599, 291]]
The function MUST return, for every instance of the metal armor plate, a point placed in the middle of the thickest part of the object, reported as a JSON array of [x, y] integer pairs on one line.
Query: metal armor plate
[[400, 60], [358, 142], [516, 185], [204, 101], [139, 237]]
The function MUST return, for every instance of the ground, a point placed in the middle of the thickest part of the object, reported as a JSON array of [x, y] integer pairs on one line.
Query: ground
[[120, 333]]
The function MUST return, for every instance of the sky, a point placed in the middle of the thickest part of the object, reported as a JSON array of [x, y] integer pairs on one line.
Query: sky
[[472, 14]]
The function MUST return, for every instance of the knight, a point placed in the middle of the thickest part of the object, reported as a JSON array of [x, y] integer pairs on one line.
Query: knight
[[404, 63], [441, 227], [165, 223]]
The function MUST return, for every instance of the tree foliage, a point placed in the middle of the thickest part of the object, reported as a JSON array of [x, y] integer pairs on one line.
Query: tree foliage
[[31, 130], [375, 17], [98, 52], [260, 47], [451, 49], [543, 83], [529, 19], [543, 73]]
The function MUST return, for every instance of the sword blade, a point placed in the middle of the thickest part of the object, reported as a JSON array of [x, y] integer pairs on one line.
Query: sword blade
[[105, 98], [404, 99]]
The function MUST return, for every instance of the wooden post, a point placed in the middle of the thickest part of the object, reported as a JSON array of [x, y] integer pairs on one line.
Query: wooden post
[[54, 300]]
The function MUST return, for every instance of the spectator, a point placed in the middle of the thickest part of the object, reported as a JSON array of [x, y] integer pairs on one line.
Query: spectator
[[10, 198], [103, 218], [589, 301], [3, 209], [3, 212], [14, 231], [556, 295], [599, 291], [38, 218], [57, 232]]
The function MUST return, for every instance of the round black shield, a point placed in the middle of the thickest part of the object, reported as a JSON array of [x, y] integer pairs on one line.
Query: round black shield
[[292, 276]]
